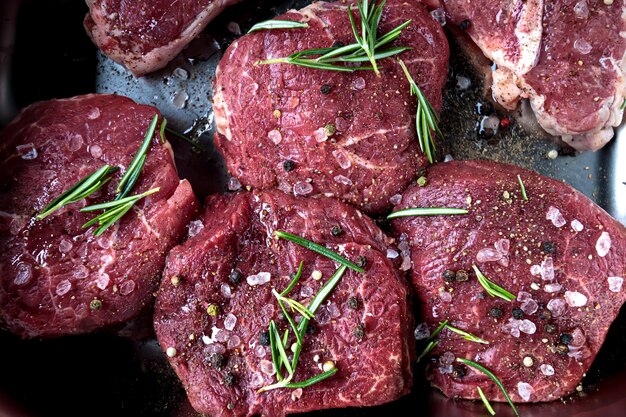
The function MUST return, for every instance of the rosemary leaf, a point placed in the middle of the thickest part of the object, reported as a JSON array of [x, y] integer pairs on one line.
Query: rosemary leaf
[[83, 188], [294, 281], [493, 378], [281, 349], [486, 401], [427, 211], [521, 185], [183, 137], [294, 305], [492, 289], [274, 350], [132, 173], [162, 130], [278, 24], [313, 380], [429, 346], [318, 248], [466, 335], [426, 118]]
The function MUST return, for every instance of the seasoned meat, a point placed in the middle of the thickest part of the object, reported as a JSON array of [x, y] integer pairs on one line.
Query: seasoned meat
[[57, 278], [560, 255], [313, 132], [215, 304]]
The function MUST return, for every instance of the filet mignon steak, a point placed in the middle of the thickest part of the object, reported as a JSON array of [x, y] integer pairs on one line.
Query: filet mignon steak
[[57, 278], [144, 35], [315, 132], [560, 254], [566, 57], [230, 264]]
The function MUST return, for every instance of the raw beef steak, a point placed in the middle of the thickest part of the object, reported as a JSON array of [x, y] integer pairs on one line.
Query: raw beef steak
[[566, 57], [145, 35], [316, 132], [561, 256], [231, 264], [57, 278]]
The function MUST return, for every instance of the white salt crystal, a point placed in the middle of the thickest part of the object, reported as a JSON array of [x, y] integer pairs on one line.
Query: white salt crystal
[[392, 254], [234, 184], [603, 245], [615, 283], [552, 287], [259, 279], [234, 342], [195, 227], [102, 281], [341, 179], [556, 306], [63, 287], [267, 367], [555, 216], [127, 287], [529, 306], [395, 199], [524, 390], [421, 331], [546, 369], [65, 246], [524, 296], [302, 188], [27, 151], [547, 269], [577, 226], [535, 270], [225, 290], [275, 136], [527, 327], [439, 15], [582, 46], [358, 83], [575, 299], [488, 255], [342, 159], [80, 272]]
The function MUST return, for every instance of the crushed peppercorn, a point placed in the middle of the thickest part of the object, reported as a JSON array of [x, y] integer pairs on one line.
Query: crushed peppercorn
[[359, 331], [550, 328], [562, 349], [458, 371], [311, 329], [264, 338], [354, 303], [545, 314], [517, 313], [496, 312], [229, 379], [548, 247], [289, 165], [217, 360], [235, 276], [449, 275], [336, 230], [325, 89], [361, 261], [566, 338], [462, 275], [465, 24]]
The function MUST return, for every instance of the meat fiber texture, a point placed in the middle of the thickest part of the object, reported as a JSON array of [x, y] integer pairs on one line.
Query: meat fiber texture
[[565, 56], [51, 270], [144, 35], [559, 253], [357, 142], [236, 234]]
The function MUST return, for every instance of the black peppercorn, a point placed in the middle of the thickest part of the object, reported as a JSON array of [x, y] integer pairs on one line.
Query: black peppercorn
[[548, 247], [495, 312], [545, 314], [517, 313], [458, 371], [289, 165], [465, 24], [325, 89], [336, 230], [354, 303], [229, 379], [217, 360], [361, 261], [561, 349], [359, 331], [264, 338], [235, 276], [550, 328], [449, 275], [566, 338], [310, 329], [462, 275]]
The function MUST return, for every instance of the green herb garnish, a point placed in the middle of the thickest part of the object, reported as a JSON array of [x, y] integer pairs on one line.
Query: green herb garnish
[[466, 335], [366, 49], [491, 288], [429, 346], [82, 189], [132, 173], [318, 248], [278, 24], [623, 106], [493, 378], [113, 211], [427, 211], [486, 401], [426, 118], [521, 185], [278, 345], [162, 130]]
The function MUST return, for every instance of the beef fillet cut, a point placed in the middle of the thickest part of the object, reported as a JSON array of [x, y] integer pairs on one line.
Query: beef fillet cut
[[566, 57], [314, 132], [57, 278], [560, 255], [144, 35], [215, 304]]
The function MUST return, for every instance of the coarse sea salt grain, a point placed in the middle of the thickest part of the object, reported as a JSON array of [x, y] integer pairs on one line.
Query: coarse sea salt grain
[[547, 269], [275, 136], [230, 321], [524, 390], [552, 287], [527, 327], [577, 226], [575, 299], [392, 254], [555, 216], [603, 245], [615, 283], [547, 370], [302, 188], [259, 279], [421, 331], [556, 306], [63, 287]]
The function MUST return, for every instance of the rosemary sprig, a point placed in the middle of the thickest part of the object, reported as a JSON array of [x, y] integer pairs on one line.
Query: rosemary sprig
[[623, 106], [493, 378], [162, 130], [294, 305], [278, 345], [426, 118], [113, 211], [492, 289], [437, 330], [318, 248], [466, 335], [365, 49], [485, 401], [521, 185], [429, 346], [278, 24], [427, 211], [132, 173], [82, 189]]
